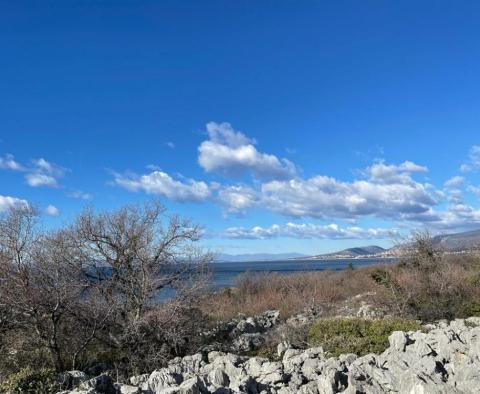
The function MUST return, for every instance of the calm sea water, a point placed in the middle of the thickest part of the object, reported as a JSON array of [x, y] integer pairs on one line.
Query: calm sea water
[[224, 273]]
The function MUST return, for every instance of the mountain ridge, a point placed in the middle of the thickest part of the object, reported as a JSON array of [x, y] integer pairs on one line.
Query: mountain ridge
[[258, 257], [355, 252], [454, 243]]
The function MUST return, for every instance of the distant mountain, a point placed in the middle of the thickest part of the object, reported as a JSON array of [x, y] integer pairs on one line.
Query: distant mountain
[[455, 242], [258, 256], [458, 241], [357, 252]]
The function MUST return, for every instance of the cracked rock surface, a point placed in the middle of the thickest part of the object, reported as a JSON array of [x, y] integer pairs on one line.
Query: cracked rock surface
[[444, 360]]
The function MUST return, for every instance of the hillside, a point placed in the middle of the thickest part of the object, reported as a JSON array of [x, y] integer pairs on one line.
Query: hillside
[[458, 241], [357, 252]]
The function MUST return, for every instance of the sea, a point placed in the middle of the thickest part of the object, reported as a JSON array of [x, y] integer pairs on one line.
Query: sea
[[223, 274]]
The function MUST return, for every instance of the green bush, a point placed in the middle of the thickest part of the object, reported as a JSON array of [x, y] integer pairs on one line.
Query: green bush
[[359, 336], [474, 279], [268, 352], [30, 381], [471, 308]]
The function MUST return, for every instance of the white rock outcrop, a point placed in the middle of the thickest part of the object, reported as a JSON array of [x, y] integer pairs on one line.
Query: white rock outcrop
[[444, 360]]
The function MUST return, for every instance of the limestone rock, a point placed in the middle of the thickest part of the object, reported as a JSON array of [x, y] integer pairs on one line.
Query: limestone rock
[[445, 359]]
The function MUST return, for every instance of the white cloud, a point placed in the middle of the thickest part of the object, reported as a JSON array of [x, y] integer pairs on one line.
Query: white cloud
[[80, 195], [39, 173], [237, 199], [160, 183], [170, 144], [390, 192], [47, 167], [232, 153], [43, 165], [454, 182], [473, 162], [44, 173], [474, 189], [381, 172], [36, 179], [52, 210], [458, 216], [7, 202], [8, 163], [308, 230], [387, 191]]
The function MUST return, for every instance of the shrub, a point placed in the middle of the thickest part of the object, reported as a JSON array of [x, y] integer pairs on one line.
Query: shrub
[[93, 284], [32, 381], [317, 292], [170, 330], [471, 308], [268, 352], [358, 336], [474, 279], [429, 284]]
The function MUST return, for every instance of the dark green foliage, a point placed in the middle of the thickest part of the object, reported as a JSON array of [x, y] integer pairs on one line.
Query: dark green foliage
[[359, 336], [28, 380], [269, 352], [350, 267], [471, 308], [384, 277], [474, 279]]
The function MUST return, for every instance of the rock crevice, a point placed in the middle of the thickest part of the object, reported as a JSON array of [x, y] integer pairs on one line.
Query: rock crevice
[[446, 359]]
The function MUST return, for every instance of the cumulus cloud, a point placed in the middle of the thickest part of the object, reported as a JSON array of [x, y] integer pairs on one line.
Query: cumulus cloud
[[381, 172], [39, 173], [160, 183], [474, 189], [8, 162], [389, 192], [7, 202], [36, 179], [45, 166], [457, 216], [52, 210], [308, 231], [232, 153], [237, 199], [44, 173], [382, 190], [454, 182], [473, 162]]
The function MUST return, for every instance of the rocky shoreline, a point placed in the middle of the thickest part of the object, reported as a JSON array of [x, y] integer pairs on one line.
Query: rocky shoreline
[[445, 359]]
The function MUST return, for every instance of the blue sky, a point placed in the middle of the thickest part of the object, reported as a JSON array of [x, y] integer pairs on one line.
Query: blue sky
[[279, 126]]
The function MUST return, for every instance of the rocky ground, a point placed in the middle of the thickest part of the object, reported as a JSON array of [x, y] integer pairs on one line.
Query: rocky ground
[[446, 359]]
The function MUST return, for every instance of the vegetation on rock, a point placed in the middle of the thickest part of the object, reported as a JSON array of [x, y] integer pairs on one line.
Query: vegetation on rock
[[358, 336]]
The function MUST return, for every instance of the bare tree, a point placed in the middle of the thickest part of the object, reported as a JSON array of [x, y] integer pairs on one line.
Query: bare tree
[[138, 253], [43, 285], [97, 281], [141, 256]]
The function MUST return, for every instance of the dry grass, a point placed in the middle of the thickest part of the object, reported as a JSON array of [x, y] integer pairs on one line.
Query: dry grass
[[425, 288], [253, 293]]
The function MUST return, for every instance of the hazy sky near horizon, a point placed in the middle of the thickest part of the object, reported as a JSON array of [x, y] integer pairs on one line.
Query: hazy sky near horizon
[[280, 126]]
